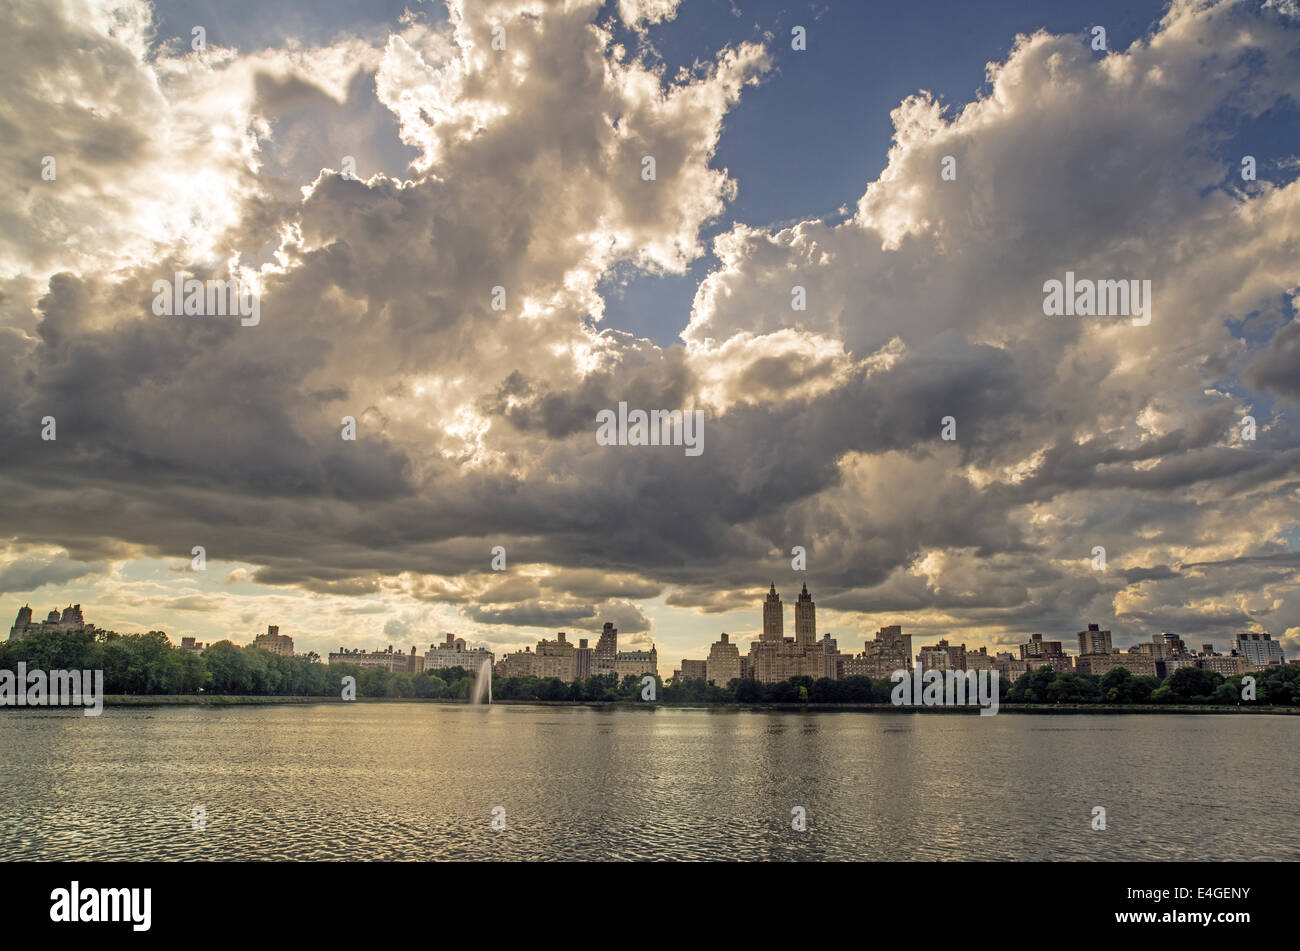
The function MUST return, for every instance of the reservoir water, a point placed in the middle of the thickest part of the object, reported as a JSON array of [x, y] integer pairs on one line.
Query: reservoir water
[[417, 781]]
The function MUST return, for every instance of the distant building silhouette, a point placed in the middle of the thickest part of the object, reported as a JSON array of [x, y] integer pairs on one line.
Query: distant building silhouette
[[70, 620], [774, 657], [274, 641]]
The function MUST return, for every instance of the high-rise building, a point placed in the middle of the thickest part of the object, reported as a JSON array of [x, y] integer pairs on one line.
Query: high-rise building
[[517, 664], [1009, 667], [1094, 641], [1037, 653], [606, 650], [1260, 649], [774, 657], [805, 620], [452, 652], [831, 657], [723, 665], [583, 660], [1231, 664], [559, 658], [773, 617], [1037, 647], [275, 642], [1173, 645], [22, 623], [890, 651], [70, 620], [943, 656], [555, 659], [1169, 653], [694, 670]]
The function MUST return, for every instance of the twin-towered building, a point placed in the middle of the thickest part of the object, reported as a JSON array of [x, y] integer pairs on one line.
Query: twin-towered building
[[774, 657]]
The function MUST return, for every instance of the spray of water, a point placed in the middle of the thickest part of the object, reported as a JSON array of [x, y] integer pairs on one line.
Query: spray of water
[[483, 684]]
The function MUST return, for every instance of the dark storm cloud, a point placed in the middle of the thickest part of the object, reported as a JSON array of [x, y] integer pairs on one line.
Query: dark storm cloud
[[31, 572], [551, 616], [1154, 573], [476, 425], [1277, 368]]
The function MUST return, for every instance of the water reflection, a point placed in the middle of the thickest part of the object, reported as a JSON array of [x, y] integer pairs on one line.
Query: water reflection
[[419, 781]]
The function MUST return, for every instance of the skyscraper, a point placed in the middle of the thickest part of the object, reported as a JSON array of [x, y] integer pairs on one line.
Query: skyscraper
[[774, 657], [723, 665], [805, 620], [606, 650], [1094, 641], [274, 641], [773, 617], [1260, 649]]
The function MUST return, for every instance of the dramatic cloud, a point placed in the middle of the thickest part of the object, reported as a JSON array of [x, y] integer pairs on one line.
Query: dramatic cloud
[[446, 298]]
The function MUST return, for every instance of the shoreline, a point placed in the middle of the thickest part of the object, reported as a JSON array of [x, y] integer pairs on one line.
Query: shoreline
[[218, 700]]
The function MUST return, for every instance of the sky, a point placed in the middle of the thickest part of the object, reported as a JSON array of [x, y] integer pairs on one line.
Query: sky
[[522, 168]]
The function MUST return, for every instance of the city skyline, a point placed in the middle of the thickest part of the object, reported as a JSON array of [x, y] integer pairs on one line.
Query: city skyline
[[749, 649], [832, 239]]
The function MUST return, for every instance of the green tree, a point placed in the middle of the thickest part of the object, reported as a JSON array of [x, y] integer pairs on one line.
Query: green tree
[[1193, 684]]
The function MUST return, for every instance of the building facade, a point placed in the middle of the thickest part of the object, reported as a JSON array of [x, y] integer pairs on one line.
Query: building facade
[[518, 664], [1040, 653], [1260, 649], [1094, 641], [636, 663], [891, 650], [606, 650], [275, 642], [831, 657], [453, 652], [389, 659], [775, 657], [943, 656], [1009, 667], [1231, 664], [1134, 661], [723, 665], [70, 620], [694, 670], [555, 658], [584, 659]]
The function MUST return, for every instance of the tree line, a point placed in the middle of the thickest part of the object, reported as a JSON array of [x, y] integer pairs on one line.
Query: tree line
[[1275, 686], [149, 664]]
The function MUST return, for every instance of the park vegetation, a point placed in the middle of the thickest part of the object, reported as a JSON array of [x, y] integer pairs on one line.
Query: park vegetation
[[148, 664]]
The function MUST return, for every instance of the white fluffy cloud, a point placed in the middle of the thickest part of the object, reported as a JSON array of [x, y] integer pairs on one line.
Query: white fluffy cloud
[[475, 424]]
